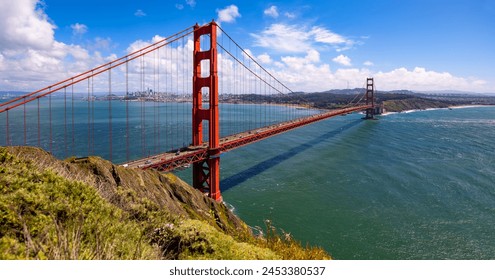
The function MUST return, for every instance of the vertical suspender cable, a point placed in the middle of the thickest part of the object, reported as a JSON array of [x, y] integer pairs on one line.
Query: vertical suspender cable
[[65, 122], [183, 113], [110, 113], [263, 94], [173, 120], [221, 84], [127, 111], [167, 104], [154, 102], [159, 100], [142, 96], [177, 141], [50, 121], [89, 119], [144, 106], [39, 128], [25, 127], [266, 102], [7, 132], [92, 116], [73, 126]]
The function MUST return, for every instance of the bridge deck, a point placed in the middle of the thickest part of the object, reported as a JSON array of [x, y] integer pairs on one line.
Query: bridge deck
[[183, 157]]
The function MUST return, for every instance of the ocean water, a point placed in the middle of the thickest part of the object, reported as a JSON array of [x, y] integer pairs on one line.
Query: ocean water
[[124, 131], [417, 185]]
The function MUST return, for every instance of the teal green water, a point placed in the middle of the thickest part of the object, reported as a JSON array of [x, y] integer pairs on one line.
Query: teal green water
[[419, 185], [407, 186]]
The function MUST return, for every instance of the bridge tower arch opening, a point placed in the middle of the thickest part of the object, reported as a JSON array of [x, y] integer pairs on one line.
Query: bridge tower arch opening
[[206, 174]]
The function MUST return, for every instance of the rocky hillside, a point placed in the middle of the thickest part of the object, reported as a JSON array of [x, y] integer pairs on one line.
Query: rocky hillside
[[91, 209]]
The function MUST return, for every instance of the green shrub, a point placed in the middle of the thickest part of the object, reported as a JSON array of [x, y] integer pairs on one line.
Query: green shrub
[[44, 216]]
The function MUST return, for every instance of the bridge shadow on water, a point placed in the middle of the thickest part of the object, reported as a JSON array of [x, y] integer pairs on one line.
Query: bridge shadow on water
[[257, 169]]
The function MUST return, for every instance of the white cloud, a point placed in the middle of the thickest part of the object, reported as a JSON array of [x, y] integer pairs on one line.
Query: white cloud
[[179, 6], [30, 56], [368, 63], [228, 14], [297, 38], [22, 25], [79, 28], [283, 38], [102, 44], [308, 73], [264, 59], [140, 13], [248, 54], [343, 60], [191, 3], [323, 35], [271, 12], [421, 79], [312, 57], [290, 15]]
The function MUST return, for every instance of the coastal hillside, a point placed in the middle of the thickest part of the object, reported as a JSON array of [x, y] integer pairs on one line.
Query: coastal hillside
[[91, 209], [392, 101], [414, 103]]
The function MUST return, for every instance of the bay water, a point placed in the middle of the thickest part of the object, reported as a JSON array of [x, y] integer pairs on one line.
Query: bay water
[[418, 185]]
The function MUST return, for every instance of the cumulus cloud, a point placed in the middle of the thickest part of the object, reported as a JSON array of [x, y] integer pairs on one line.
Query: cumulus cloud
[[30, 55], [294, 62], [283, 38], [228, 14], [101, 44], [264, 58], [79, 28], [422, 79], [418, 78], [23, 25], [310, 74], [296, 38], [140, 13], [271, 12], [343, 60]]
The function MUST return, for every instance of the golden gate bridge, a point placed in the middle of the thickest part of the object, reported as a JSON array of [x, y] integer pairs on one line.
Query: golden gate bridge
[[158, 128]]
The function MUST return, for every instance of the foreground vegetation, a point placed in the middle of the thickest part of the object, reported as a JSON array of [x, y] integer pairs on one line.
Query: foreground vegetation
[[91, 209]]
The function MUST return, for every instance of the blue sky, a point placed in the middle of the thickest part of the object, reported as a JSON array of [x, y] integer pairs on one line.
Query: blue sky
[[417, 45]]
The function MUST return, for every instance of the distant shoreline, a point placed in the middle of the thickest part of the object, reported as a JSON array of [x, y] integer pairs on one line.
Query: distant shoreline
[[438, 108]]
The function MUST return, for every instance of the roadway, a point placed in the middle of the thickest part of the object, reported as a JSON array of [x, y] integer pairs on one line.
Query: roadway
[[184, 157]]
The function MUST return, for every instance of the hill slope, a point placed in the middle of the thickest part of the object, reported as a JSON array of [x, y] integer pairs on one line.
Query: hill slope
[[91, 209]]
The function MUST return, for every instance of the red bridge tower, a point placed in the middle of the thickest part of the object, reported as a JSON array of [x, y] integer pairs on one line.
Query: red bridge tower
[[206, 174], [370, 98]]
